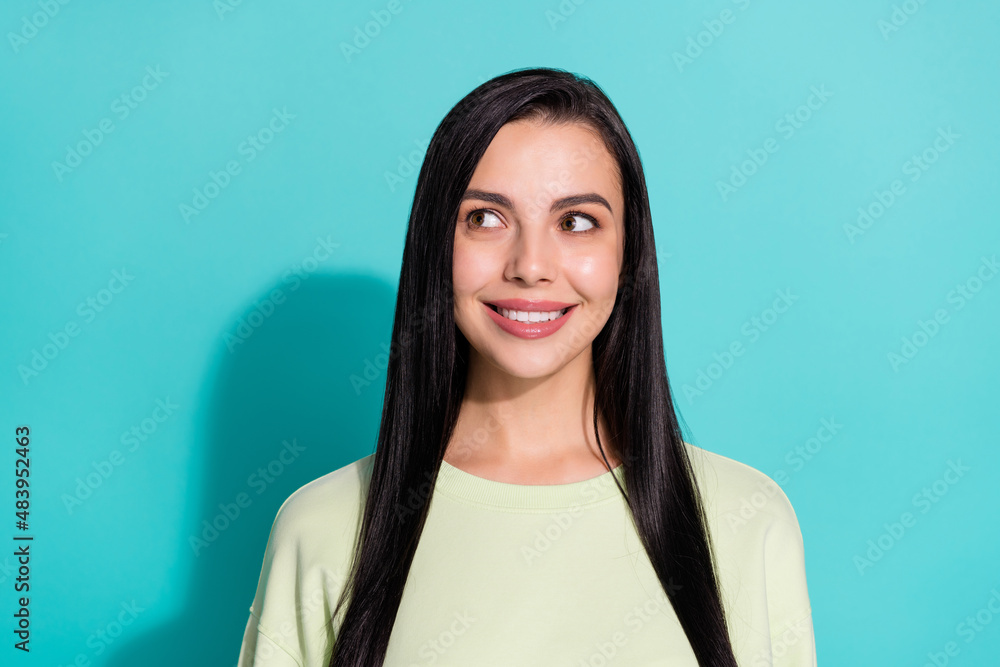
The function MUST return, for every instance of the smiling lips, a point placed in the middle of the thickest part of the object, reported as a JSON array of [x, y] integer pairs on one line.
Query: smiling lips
[[529, 318]]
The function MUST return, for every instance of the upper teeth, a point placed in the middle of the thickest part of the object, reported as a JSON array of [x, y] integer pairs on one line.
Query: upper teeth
[[532, 315]]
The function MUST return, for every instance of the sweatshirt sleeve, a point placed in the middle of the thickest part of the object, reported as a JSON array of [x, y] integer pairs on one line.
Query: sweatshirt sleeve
[[287, 624], [306, 566], [273, 624], [263, 648], [789, 611]]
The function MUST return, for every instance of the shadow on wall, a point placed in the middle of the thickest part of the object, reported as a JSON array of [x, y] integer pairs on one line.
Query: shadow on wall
[[283, 411]]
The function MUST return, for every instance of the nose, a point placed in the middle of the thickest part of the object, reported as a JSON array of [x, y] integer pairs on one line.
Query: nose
[[533, 255]]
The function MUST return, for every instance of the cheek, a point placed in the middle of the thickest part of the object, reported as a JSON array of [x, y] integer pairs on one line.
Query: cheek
[[471, 271], [596, 276]]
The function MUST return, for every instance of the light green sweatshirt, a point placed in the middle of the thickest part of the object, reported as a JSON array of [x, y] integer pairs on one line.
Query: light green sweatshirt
[[524, 575]]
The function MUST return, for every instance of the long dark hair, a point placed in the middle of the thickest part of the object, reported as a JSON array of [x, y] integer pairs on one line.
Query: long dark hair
[[427, 369]]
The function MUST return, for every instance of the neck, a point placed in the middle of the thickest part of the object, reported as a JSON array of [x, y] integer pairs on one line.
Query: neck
[[540, 430]]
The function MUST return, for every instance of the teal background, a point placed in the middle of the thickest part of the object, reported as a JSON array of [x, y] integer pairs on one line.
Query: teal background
[[322, 183]]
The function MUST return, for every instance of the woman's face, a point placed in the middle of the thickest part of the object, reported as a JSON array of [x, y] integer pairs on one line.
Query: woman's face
[[542, 220]]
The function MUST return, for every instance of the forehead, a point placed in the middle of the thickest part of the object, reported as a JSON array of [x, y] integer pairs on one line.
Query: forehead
[[534, 158]]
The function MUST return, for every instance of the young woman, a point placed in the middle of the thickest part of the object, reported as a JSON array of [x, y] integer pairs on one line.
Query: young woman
[[530, 500]]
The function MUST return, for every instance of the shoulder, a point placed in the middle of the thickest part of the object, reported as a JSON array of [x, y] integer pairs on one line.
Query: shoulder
[[737, 493], [759, 550], [306, 561], [327, 508]]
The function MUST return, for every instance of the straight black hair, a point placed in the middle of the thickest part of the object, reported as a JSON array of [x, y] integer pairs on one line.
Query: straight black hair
[[428, 363]]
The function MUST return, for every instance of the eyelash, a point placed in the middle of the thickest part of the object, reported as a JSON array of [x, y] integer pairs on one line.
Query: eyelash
[[592, 219]]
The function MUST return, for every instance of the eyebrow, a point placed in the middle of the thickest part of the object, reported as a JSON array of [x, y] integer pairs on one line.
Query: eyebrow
[[572, 200]]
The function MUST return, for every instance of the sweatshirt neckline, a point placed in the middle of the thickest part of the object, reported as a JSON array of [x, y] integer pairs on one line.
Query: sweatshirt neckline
[[457, 483]]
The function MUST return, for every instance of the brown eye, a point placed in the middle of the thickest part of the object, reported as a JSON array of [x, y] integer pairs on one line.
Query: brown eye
[[573, 225], [480, 217]]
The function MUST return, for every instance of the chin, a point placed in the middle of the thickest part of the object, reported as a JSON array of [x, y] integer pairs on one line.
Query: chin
[[528, 365]]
